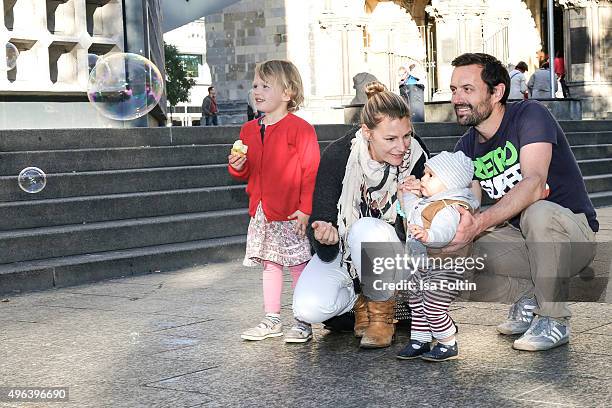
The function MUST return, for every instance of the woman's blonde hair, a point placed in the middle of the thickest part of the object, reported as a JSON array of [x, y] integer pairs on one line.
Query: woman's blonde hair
[[285, 74], [382, 103]]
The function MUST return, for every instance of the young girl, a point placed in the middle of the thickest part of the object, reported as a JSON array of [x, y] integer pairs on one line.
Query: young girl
[[280, 166]]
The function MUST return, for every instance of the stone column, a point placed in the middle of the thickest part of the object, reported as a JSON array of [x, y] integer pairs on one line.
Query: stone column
[[588, 55], [458, 30]]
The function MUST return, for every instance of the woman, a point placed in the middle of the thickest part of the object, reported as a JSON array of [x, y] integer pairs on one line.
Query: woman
[[355, 200], [518, 84]]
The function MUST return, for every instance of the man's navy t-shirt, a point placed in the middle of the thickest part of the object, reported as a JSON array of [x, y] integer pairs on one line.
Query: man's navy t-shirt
[[497, 166]]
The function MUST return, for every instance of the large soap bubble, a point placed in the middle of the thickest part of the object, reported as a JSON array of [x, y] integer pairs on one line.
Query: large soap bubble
[[124, 86], [8, 57], [32, 180]]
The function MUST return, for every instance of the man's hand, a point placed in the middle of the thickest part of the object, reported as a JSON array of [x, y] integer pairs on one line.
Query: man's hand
[[325, 233], [469, 227], [418, 232], [412, 185], [237, 161], [302, 222]]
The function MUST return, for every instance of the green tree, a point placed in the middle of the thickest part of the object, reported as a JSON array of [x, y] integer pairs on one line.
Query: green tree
[[178, 84]]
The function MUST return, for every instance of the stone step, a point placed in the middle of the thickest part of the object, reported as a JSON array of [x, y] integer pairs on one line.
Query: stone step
[[603, 199], [585, 138], [159, 179], [91, 209], [64, 139], [591, 167], [78, 269], [53, 242], [83, 160], [598, 183], [592, 151], [93, 183], [586, 125], [66, 161], [439, 143], [88, 209]]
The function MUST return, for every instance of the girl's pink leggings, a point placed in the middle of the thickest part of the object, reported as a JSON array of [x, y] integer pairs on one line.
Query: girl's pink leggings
[[273, 284]]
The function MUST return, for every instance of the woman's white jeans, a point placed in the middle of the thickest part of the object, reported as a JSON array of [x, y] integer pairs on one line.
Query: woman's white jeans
[[325, 289]]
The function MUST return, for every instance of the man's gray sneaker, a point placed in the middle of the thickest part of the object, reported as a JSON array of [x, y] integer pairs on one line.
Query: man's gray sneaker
[[270, 326], [520, 317], [300, 333], [543, 334]]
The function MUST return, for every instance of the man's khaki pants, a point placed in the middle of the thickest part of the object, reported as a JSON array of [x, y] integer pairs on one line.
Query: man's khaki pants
[[552, 245]]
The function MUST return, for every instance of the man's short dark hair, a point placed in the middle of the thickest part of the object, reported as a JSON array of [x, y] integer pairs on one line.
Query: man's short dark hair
[[493, 72], [210, 88], [522, 65]]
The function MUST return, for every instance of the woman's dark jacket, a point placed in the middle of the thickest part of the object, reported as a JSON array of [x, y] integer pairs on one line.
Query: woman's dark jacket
[[328, 188]]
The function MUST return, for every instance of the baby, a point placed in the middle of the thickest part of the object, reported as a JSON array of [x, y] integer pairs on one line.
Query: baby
[[432, 223]]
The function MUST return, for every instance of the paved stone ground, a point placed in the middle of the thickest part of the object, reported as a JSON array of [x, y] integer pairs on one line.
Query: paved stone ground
[[172, 340]]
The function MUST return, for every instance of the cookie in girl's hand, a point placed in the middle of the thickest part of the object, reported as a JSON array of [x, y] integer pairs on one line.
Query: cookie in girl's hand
[[239, 148]]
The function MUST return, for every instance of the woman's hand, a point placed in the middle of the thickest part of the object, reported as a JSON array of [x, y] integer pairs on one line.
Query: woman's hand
[[302, 222], [237, 161], [418, 232], [325, 233], [411, 185]]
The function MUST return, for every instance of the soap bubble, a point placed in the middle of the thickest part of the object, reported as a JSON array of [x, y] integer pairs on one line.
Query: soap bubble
[[124, 86], [134, 337], [32, 180], [92, 59], [8, 61]]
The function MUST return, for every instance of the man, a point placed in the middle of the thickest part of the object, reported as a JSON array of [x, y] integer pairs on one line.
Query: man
[[539, 82], [518, 83], [541, 230], [209, 107]]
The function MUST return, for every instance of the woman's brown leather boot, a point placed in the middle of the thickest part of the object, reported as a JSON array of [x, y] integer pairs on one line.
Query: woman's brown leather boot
[[362, 321], [382, 325]]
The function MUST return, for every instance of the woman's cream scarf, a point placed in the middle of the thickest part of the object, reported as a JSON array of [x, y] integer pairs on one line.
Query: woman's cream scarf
[[380, 180]]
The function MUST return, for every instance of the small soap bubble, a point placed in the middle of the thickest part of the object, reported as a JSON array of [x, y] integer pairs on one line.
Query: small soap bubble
[[8, 61], [32, 180], [124, 86], [134, 337]]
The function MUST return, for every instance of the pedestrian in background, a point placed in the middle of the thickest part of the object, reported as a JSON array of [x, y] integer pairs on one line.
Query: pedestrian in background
[[539, 83], [518, 83], [560, 72], [210, 108]]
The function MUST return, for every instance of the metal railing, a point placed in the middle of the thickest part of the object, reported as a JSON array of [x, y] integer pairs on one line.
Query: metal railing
[[497, 44]]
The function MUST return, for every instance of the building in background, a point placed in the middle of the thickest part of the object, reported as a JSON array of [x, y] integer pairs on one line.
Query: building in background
[[47, 88], [332, 42], [190, 40]]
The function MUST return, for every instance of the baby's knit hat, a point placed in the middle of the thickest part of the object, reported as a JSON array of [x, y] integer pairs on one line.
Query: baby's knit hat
[[456, 170]]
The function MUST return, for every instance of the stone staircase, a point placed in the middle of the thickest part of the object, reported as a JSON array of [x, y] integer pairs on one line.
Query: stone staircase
[[121, 202]]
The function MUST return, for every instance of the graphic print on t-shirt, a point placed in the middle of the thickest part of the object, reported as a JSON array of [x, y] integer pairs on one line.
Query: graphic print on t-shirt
[[499, 170], [497, 159]]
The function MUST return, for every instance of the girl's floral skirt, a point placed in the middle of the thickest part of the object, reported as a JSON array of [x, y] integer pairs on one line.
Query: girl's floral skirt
[[274, 241]]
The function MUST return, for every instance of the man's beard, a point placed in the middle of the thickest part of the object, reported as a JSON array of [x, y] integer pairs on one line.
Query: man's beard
[[477, 116]]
